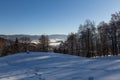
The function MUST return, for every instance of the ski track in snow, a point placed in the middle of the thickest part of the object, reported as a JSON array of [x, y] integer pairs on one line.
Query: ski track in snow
[[54, 66]]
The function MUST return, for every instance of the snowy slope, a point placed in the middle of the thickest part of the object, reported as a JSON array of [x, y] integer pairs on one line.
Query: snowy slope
[[53, 66]]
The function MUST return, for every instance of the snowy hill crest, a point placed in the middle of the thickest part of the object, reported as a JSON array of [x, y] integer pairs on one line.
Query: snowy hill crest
[[53, 66]]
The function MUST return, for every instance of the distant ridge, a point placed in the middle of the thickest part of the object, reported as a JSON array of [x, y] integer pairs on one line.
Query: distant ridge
[[34, 37]]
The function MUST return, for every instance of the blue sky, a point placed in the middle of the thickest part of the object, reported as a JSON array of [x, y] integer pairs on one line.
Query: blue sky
[[52, 16]]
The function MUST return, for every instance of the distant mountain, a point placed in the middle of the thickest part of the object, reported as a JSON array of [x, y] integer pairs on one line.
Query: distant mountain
[[58, 36], [34, 37]]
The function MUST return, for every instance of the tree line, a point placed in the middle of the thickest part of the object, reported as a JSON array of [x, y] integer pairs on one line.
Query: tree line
[[23, 44], [92, 41], [89, 41]]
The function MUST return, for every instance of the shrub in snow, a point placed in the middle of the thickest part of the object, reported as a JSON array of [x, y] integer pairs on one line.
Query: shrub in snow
[[28, 51]]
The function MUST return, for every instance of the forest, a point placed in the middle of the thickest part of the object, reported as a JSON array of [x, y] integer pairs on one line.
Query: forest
[[92, 41]]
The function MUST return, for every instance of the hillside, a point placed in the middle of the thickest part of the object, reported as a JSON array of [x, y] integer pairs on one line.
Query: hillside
[[53, 66]]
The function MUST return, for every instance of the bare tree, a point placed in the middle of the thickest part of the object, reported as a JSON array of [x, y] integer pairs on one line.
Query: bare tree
[[44, 43], [25, 41], [103, 29], [115, 32]]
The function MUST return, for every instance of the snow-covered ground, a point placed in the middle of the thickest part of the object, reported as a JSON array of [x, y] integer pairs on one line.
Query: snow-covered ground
[[54, 66]]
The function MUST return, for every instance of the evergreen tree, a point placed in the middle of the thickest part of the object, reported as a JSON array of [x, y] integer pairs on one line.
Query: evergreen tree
[[16, 46]]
